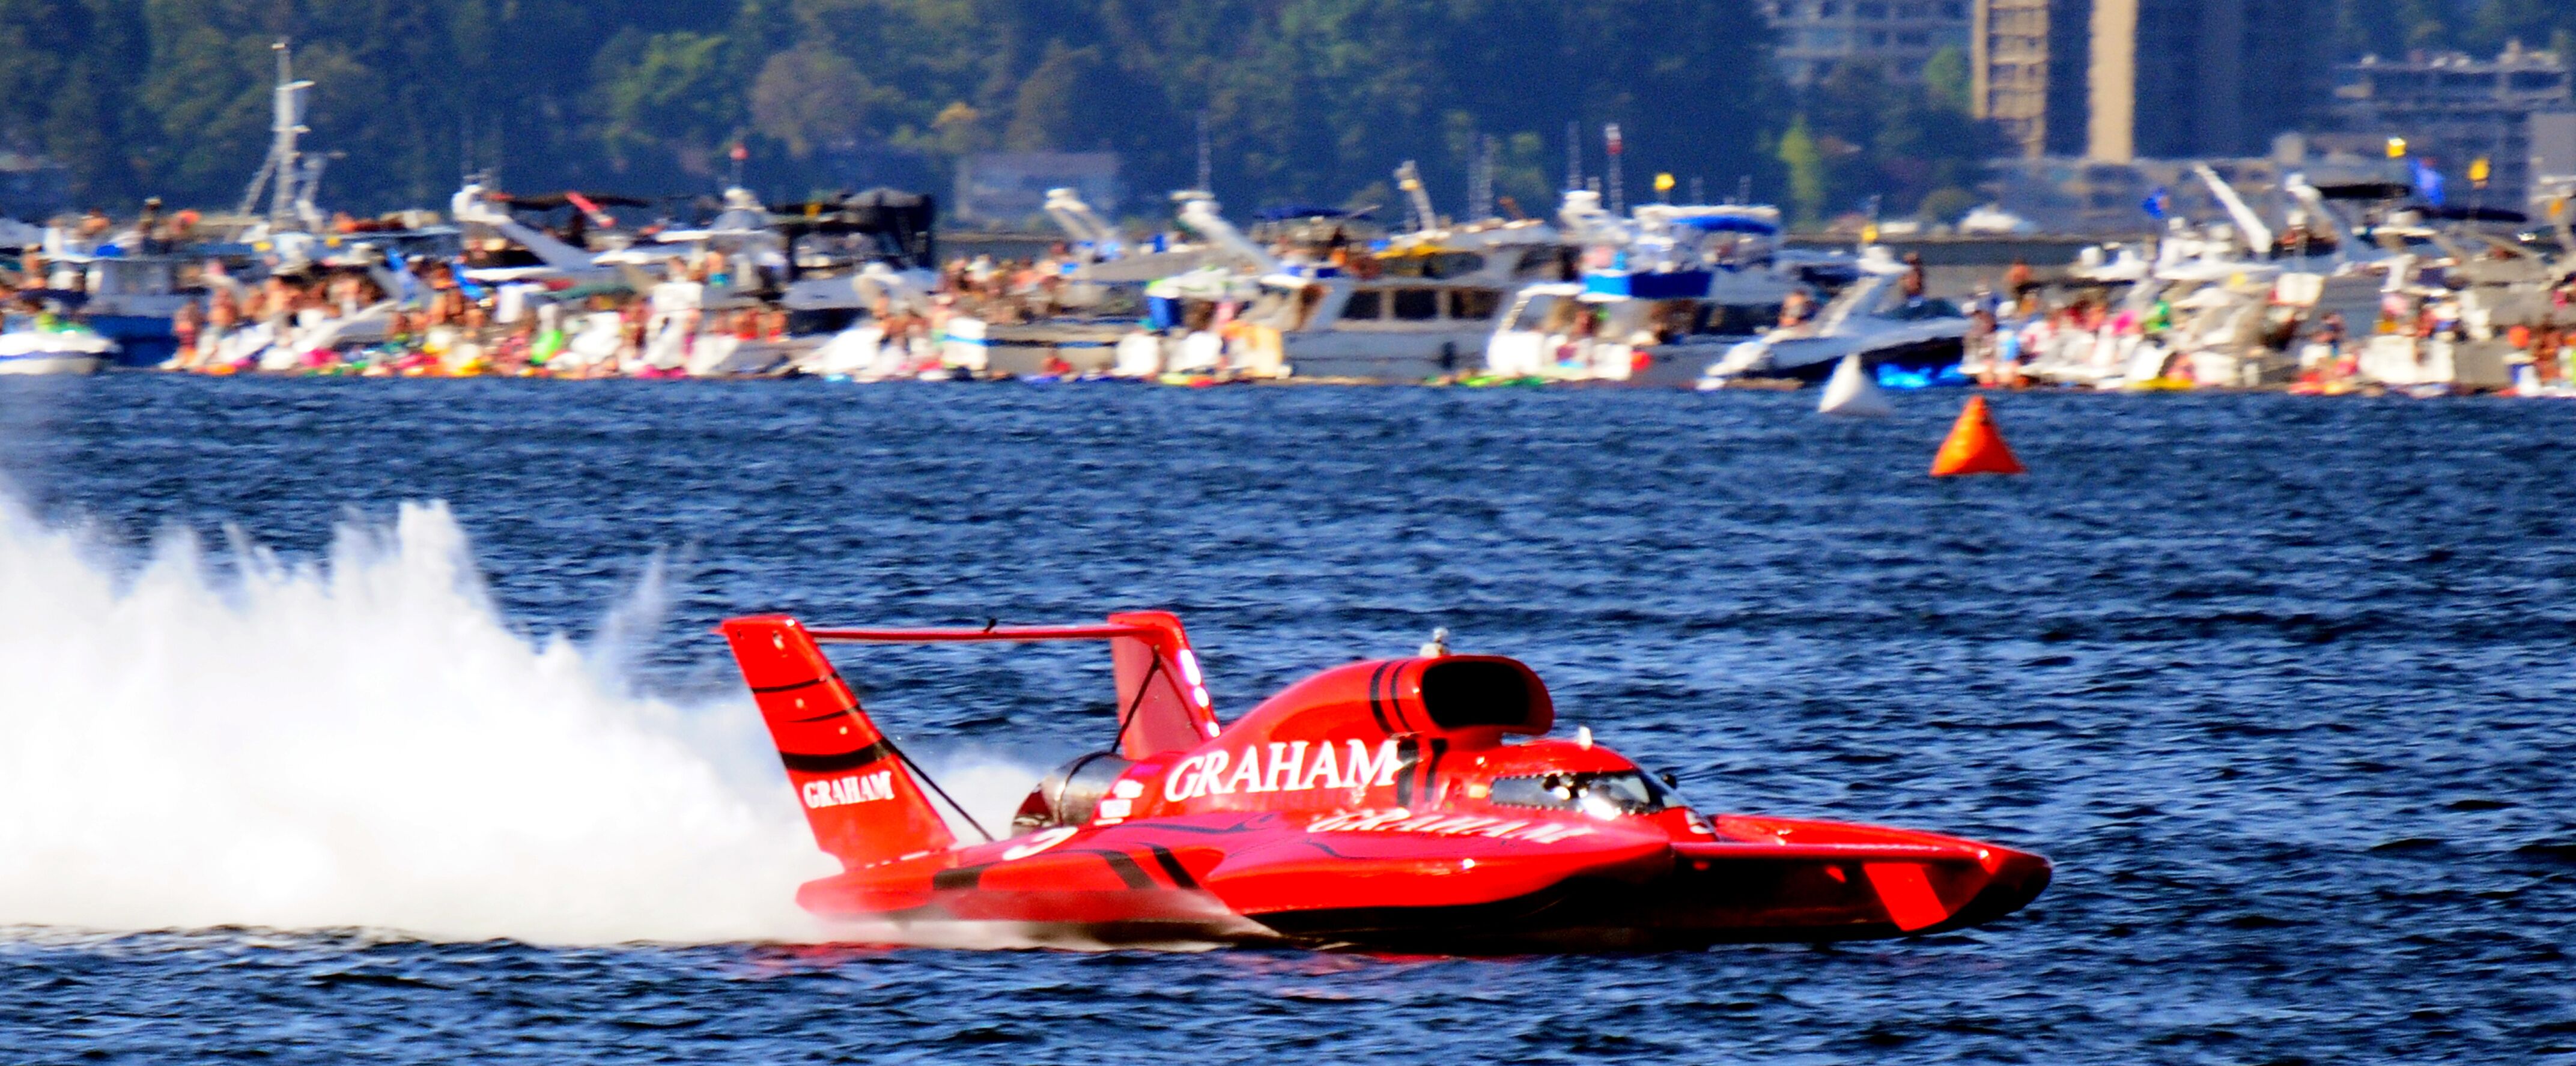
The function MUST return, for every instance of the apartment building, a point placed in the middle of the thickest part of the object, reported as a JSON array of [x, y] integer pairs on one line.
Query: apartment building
[[1897, 36]]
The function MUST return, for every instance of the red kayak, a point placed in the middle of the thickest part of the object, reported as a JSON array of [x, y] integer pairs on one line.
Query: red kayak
[[1403, 804]]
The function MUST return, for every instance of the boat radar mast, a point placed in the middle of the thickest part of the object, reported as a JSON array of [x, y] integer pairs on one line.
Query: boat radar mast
[[294, 182]]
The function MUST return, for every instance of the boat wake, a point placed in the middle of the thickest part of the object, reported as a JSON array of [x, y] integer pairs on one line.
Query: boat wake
[[362, 742]]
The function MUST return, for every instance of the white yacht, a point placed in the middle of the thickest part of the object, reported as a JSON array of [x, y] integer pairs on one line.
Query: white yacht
[[1678, 288], [1422, 307]]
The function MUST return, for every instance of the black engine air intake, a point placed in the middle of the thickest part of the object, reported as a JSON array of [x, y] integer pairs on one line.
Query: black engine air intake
[[1469, 693]]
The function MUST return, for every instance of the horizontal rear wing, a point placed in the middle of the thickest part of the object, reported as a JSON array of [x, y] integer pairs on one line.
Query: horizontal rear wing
[[1163, 702], [993, 634]]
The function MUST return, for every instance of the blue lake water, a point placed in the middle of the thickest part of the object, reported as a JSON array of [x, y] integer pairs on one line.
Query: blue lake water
[[2281, 685]]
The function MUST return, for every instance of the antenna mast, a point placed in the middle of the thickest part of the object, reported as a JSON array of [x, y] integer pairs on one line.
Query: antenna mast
[[1207, 161], [1618, 147], [1480, 180], [284, 161], [1409, 179], [1573, 155]]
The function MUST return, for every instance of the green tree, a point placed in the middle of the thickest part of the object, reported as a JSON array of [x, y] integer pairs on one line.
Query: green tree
[[1048, 110], [808, 96], [1945, 81], [1305, 99], [1806, 166], [663, 94]]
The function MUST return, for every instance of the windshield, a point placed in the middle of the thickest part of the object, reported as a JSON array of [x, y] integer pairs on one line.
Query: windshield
[[1601, 795]]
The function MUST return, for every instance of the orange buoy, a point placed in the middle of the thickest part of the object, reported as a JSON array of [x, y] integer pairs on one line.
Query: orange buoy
[[1974, 446]]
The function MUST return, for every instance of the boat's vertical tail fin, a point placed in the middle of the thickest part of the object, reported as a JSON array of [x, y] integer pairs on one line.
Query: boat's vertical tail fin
[[1162, 699], [861, 797]]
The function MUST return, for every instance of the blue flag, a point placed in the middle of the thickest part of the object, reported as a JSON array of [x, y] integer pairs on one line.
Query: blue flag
[[2158, 200], [466, 285], [2428, 183], [410, 294]]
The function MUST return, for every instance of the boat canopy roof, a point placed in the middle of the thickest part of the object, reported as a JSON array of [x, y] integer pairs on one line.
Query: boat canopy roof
[[903, 219], [2367, 190], [1729, 224]]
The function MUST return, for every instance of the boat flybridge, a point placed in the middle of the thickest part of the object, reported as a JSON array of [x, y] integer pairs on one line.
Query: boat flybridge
[[1872, 318]]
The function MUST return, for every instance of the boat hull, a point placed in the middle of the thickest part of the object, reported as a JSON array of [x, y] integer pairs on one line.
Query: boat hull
[[1388, 356], [141, 340], [76, 363], [1023, 351], [1265, 881], [1783, 901], [1681, 366]]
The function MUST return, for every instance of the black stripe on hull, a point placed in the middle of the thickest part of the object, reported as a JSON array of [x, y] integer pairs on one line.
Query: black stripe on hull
[[958, 878], [1172, 867], [1129, 873], [830, 764], [1377, 705]]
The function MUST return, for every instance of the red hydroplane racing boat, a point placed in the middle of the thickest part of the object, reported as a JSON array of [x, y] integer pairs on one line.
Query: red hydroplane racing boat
[[1399, 804]]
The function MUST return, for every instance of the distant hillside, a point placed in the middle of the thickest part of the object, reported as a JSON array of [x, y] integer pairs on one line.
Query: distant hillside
[[1309, 100], [1304, 98], [2395, 27]]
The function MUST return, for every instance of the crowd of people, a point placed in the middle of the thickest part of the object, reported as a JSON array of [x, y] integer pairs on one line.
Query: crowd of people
[[340, 318], [2299, 343]]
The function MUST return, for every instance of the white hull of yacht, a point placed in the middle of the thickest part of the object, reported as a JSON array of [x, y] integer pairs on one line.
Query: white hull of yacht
[[50, 352], [1522, 354], [2407, 362], [1386, 356], [52, 363]]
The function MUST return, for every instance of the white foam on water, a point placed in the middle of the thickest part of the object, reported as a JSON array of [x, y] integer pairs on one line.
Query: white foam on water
[[988, 784], [362, 742]]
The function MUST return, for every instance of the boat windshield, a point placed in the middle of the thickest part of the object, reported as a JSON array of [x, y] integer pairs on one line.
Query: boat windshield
[[1601, 795]]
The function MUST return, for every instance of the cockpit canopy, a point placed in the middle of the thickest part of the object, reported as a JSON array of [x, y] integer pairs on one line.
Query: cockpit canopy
[[1601, 794]]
